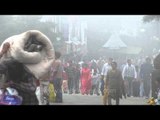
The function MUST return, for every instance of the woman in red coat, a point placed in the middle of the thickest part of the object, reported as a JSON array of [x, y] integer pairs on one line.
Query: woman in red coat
[[85, 80]]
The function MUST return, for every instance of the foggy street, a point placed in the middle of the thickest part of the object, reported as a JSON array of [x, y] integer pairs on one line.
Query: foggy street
[[75, 59], [78, 99]]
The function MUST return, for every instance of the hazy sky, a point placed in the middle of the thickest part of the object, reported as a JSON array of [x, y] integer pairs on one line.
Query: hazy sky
[[123, 24]]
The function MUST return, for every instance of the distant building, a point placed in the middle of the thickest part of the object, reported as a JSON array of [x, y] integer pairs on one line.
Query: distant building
[[73, 31]]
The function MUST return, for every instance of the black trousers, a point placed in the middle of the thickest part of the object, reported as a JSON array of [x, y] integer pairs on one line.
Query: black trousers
[[102, 87], [58, 89], [76, 84], [147, 87], [70, 84], [110, 100], [136, 88], [94, 89]]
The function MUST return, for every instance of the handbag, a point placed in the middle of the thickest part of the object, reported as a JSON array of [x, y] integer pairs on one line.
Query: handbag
[[52, 94]]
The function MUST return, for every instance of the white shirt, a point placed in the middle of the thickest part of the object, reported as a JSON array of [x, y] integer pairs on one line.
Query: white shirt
[[105, 69], [129, 71]]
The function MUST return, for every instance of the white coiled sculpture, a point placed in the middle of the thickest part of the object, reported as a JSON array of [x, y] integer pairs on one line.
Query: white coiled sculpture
[[37, 62]]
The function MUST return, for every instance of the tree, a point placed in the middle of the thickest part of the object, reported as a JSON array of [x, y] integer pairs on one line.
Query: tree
[[13, 25], [153, 30]]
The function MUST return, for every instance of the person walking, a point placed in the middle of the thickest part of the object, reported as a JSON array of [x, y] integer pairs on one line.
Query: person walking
[[145, 74], [129, 74], [85, 79], [106, 67], [114, 84], [57, 77]]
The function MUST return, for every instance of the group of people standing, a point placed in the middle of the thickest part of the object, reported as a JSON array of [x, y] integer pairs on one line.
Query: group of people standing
[[126, 79], [95, 77], [101, 78], [81, 78]]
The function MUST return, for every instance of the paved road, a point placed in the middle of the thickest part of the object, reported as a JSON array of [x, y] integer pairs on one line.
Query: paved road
[[78, 99]]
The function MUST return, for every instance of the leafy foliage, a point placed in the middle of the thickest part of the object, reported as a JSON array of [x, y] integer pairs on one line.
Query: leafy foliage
[[13, 25]]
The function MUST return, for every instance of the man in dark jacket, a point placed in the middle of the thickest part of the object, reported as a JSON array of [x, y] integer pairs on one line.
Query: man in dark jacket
[[71, 77], [155, 79], [145, 74], [114, 84]]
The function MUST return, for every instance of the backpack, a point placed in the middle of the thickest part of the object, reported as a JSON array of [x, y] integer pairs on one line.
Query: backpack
[[10, 97]]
